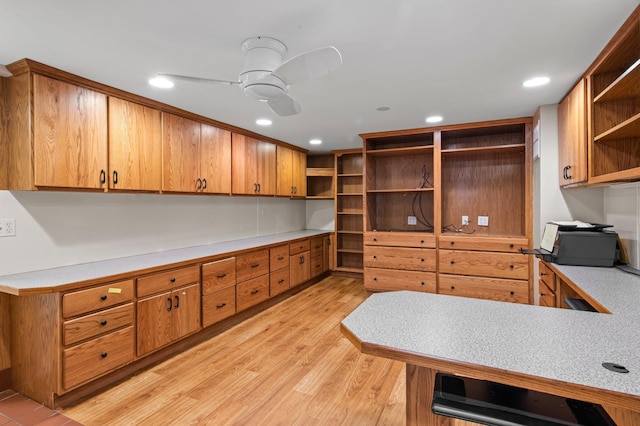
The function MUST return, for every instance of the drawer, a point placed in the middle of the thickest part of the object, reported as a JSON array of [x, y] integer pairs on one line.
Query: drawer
[[252, 292], [391, 280], [486, 264], [252, 264], [95, 324], [547, 275], [92, 299], [315, 246], [316, 265], [165, 281], [96, 357], [278, 257], [400, 239], [499, 244], [299, 247], [414, 259], [547, 296], [218, 275], [218, 305], [278, 281], [485, 288]]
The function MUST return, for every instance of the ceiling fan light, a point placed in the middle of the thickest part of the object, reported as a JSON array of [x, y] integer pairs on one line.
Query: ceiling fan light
[[263, 91]]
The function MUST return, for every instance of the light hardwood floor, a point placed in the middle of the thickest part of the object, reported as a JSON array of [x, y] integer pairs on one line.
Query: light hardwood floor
[[288, 365]]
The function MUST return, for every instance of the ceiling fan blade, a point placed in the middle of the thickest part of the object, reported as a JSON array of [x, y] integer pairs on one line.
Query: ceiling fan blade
[[198, 79], [309, 66], [285, 106], [4, 72]]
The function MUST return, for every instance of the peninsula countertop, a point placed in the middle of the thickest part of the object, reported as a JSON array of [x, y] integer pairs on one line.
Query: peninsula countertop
[[550, 345], [55, 279]]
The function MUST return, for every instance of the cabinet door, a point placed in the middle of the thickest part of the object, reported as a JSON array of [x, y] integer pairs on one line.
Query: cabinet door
[[154, 322], [285, 168], [299, 174], [299, 267], [572, 136], [69, 135], [215, 160], [244, 172], [181, 153], [185, 315], [135, 146], [266, 168]]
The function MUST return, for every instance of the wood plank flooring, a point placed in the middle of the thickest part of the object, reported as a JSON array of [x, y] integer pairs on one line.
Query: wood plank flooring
[[288, 365]]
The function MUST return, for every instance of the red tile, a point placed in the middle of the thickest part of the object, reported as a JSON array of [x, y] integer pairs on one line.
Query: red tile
[[7, 393], [57, 420], [23, 410]]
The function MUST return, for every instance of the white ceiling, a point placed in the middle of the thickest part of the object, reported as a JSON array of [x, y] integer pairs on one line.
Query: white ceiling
[[462, 59]]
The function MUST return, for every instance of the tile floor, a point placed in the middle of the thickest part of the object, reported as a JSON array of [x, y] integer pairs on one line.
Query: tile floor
[[16, 409]]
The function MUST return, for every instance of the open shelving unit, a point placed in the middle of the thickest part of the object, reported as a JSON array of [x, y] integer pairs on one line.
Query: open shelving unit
[[348, 211], [320, 177]]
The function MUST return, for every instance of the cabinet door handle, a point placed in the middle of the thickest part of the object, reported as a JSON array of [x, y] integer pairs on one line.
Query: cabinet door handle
[[198, 184], [256, 291], [103, 322], [221, 275], [115, 177], [258, 187], [255, 265], [221, 305], [103, 355], [177, 298], [170, 304], [103, 297], [103, 177], [204, 183], [301, 260]]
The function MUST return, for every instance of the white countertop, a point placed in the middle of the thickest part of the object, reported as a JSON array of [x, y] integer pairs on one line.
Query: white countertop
[[56, 277], [558, 344]]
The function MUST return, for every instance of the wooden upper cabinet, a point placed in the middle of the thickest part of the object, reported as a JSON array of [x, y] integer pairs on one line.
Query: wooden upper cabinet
[[299, 173], [572, 136], [253, 166], [197, 156], [292, 172], [135, 143], [215, 159], [69, 135]]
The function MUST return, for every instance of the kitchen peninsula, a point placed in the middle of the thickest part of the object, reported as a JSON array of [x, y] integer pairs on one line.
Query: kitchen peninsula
[[556, 351]]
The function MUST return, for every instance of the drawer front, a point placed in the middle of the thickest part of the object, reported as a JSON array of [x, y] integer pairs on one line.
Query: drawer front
[[400, 258], [391, 280], [278, 257], [252, 292], [317, 265], [485, 288], [507, 245], [218, 305], [92, 299], [218, 275], [400, 239], [278, 281], [315, 246], [165, 281], [547, 275], [96, 357], [299, 247], [252, 264], [486, 264], [96, 324], [547, 296]]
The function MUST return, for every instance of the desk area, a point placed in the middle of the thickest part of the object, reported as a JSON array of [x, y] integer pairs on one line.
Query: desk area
[[550, 350]]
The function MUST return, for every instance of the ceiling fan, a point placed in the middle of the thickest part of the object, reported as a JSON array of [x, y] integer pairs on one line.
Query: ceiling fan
[[266, 77]]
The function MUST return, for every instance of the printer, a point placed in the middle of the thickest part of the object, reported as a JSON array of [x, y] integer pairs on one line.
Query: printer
[[578, 244]]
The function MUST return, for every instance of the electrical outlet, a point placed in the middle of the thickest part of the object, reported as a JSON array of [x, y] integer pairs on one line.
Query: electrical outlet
[[483, 220], [7, 227], [411, 220], [465, 220]]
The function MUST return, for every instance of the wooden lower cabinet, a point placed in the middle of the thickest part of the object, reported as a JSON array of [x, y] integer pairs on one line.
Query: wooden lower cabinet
[[218, 306], [377, 279], [547, 286], [505, 290], [252, 292], [279, 281], [299, 267]]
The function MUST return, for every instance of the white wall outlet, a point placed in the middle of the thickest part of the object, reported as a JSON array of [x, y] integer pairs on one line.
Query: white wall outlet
[[465, 220], [483, 220], [411, 220], [7, 227]]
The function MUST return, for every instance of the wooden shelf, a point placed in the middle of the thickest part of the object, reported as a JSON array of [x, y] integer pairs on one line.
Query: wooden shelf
[[627, 129], [344, 231], [352, 212], [319, 197], [399, 190], [350, 175], [349, 269], [486, 149], [349, 194], [626, 175], [625, 86], [392, 152], [346, 250], [320, 172]]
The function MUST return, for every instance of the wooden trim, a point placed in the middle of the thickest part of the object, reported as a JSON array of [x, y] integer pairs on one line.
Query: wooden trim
[[28, 65]]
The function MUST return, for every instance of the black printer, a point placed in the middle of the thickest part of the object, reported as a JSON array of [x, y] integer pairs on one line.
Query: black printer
[[580, 246]]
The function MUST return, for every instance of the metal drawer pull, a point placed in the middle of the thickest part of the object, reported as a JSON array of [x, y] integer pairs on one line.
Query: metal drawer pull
[[422, 283], [512, 293], [280, 257], [421, 260], [375, 279], [103, 297], [280, 281], [255, 291], [511, 266], [453, 287], [173, 280], [453, 262], [221, 275], [421, 241], [103, 355], [255, 265], [222, 305], [103, 322]]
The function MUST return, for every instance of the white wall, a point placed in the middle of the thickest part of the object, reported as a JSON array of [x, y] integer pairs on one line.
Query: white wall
[[320, 215], [622, 210], [63, 228]]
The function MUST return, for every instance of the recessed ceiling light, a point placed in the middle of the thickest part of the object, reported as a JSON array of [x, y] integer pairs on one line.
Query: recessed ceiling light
[[163, 83], [434, 119], [315, 141], [535, 82], [382, 109], [263, 122]]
